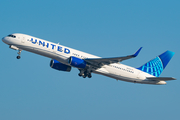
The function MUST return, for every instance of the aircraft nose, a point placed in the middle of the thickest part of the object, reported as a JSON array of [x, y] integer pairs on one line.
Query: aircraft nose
[[4, 40]]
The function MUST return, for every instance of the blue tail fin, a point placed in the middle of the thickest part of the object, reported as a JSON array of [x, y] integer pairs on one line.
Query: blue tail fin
[[158, 64]]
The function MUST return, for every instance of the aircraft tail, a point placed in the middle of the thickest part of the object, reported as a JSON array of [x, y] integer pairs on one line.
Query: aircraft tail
[[158, 64]]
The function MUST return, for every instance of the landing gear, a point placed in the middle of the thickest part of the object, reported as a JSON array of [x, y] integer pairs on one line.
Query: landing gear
[[19, 53], [84, 76], [80, 74], [85, 73], [18, 57], [89, 76]]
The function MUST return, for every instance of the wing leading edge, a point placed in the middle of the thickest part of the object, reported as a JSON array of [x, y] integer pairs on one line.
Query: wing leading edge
[[103, 61]]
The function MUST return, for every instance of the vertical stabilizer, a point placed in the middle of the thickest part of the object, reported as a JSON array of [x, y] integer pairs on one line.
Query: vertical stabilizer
[[158, 64]]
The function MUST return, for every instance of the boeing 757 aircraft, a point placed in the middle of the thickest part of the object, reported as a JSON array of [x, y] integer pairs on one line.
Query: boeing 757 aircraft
[[63, 58]]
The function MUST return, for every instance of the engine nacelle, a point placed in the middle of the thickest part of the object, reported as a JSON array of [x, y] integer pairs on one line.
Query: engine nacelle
[[77, 62], [59, 66]]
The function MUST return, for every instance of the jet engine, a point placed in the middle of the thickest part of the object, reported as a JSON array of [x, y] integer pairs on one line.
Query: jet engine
[[59, 66], [77, 62]]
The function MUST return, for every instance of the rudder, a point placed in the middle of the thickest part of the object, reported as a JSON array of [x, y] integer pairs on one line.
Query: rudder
[[158, 64]]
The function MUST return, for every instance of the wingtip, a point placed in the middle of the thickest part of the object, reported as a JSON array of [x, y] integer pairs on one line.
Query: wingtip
[[137, 52]]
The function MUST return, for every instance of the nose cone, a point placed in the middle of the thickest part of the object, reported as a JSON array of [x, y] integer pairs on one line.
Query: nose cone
[[3, 39]]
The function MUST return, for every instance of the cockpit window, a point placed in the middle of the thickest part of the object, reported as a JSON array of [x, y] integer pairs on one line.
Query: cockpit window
[[12, 36]]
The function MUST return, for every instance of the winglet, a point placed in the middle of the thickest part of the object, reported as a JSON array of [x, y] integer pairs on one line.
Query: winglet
[[137, 52]]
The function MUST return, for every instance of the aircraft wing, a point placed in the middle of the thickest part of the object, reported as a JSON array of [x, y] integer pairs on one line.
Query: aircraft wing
[[102, 61], [161, 78]]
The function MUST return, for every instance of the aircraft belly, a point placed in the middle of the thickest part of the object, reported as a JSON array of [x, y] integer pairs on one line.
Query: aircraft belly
[[45, 52]]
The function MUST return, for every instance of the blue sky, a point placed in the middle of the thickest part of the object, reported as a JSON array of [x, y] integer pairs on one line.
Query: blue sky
[[30, 89]]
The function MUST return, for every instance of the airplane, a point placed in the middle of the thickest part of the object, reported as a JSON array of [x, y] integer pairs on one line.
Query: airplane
[[64, 58]]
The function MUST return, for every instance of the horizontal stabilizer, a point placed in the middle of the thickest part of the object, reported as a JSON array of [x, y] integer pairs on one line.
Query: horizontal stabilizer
[[161, 78]]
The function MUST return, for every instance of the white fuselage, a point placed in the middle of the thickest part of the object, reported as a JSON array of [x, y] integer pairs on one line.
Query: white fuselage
[[62, 53]]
